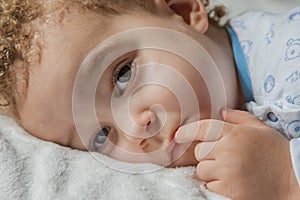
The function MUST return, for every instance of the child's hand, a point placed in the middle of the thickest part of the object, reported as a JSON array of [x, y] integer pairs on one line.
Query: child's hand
[[246, 160]]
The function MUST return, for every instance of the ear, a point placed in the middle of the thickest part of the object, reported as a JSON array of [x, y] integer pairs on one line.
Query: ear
[[193, 12]]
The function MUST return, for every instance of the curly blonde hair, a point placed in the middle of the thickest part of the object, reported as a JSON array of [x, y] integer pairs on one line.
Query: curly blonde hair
[[16, 39]]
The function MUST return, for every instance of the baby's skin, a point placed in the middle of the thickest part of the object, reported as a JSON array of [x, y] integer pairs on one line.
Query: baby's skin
[[238, 157]]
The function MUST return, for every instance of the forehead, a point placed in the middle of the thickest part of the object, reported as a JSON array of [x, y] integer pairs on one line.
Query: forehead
[[65, 44], [84, 29], [70, 40]]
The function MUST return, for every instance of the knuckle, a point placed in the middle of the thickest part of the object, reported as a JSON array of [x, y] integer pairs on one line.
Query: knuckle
[[232, 129]]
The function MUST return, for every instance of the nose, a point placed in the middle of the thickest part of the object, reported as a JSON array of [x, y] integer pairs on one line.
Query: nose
[[149, 121], [139, 119], [145, 132], [134, 137], [145, 118], [141, 125]]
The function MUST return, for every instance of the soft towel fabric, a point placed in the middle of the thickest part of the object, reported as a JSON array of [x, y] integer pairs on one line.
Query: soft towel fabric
[[34, 169]]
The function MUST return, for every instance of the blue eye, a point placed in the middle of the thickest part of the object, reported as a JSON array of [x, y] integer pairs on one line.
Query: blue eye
[[123, 76], [100, 138]]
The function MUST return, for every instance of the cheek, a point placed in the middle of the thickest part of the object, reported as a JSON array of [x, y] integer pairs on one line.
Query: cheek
[[194, 84], [201, 91]]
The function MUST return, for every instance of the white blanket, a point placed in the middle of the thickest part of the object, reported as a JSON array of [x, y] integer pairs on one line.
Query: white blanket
[[34, 169]]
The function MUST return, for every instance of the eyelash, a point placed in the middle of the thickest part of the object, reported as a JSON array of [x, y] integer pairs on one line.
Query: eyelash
[[119, 67]]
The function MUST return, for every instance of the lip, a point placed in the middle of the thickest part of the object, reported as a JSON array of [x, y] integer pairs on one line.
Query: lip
[[172, 143], [172, 136]]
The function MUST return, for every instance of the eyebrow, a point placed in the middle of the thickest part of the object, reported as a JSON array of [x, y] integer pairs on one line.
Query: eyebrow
[[88, 75], [95, 56], [108, 51]]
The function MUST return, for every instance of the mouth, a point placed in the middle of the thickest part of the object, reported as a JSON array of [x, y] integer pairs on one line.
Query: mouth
[[172, 144], [172, 136]]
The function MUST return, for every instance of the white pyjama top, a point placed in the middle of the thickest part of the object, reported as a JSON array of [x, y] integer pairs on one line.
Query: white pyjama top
[[267, 52]]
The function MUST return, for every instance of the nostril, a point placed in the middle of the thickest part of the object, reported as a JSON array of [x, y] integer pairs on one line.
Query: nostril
[[151, 118]]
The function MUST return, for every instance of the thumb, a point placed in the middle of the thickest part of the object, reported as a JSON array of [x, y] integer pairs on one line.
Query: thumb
[[241, 117]]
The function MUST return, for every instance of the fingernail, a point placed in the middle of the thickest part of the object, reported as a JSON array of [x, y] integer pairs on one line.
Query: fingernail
[[179, 135], [225, 111], [223, 114]]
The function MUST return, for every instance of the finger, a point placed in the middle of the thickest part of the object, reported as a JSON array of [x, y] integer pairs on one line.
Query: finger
[[214, 186], [204, 150], [241, 117], [208, 130], [206, 171]]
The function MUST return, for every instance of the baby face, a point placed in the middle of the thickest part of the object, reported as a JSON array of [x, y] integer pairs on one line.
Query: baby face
[[134, 122]]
